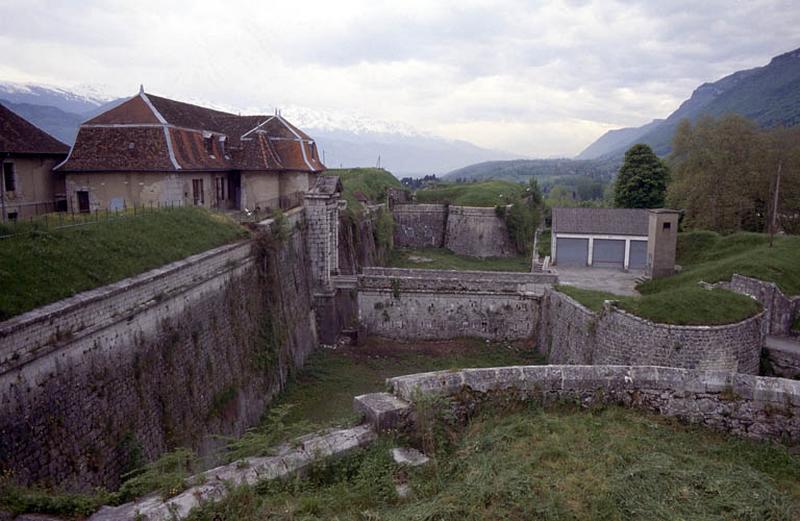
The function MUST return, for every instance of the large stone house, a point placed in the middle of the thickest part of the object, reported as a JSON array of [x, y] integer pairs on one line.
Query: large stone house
[[28, 186], [156, 151]]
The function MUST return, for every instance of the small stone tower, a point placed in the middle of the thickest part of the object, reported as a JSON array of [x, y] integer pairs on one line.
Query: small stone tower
[[662, 241], [322, 213]]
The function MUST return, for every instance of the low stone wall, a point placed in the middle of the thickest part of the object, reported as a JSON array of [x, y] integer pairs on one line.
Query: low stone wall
[[744, 405], [477, 232], [570, 333], [433, 304], [781, 310], [97, 384], [419, 225]]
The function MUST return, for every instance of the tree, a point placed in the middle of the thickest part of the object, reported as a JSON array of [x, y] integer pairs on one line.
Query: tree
[[642, 179]]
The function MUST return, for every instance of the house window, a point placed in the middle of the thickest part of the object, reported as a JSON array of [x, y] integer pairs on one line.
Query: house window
[[83, 201], [197, 192], [9, 177], [219, 185], [12, 216], [667, 226], [209, 143]]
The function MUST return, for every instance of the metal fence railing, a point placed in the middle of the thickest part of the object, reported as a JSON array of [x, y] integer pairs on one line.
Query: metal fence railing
[[70, 219]]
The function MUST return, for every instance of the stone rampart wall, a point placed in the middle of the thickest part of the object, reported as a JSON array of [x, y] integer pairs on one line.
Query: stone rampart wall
[[570, 333], [466, 230], [439, 305], [419, 225], [95, 385], [477, 232], [744, 405], [781, 310]]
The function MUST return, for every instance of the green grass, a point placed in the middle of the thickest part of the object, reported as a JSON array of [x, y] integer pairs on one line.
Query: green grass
[[444, 259], [44, 265], [544, 243], [711, 257], [323, 392], [372, 182], [485, 193], [707, 256], [561, 463], [681, 306]]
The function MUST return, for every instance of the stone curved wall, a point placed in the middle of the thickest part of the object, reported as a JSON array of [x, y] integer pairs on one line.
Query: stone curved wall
[[744, 405], [569, 333]]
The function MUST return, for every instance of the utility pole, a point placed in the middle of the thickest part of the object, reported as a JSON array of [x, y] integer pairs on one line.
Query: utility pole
[[774, 224]]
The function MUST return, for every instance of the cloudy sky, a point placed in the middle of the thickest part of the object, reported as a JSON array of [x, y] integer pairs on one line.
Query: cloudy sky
[[539, 78]]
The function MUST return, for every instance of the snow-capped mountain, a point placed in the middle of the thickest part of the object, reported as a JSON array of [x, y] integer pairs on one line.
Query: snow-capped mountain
[[344, 139]]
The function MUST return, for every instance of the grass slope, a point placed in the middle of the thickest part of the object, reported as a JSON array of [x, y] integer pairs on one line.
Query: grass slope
[[372, 182], [43, 266], [485, 193], [444, 259], [709, 257], [563, 463]]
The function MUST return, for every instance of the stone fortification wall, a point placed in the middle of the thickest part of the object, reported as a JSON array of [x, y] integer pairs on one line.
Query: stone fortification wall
[[477, 232], [97, 384], [465, 230], [744, 405], [358, 244], [419, 225], [572, 334], [781, 310], [436, 304]]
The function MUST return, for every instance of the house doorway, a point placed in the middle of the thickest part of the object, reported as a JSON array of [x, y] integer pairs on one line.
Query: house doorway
[[83, 201], [235, 191], [197, 192]]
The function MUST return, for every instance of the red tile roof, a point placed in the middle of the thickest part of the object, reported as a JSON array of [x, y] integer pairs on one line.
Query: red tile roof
[[172, 135], [18, 136]]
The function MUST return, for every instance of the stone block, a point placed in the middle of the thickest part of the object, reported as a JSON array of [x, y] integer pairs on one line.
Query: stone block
[[383, 411]]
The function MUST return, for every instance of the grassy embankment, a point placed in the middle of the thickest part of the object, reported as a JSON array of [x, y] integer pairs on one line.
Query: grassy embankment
[[709, 257], [372, 182], [444, 259], [485, 193], [44, 265], [528, 463]]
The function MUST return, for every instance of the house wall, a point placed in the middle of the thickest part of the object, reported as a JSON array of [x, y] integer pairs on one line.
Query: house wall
[[260, 189], [116, 190], [291, 182], [97, 384], [36, 186]]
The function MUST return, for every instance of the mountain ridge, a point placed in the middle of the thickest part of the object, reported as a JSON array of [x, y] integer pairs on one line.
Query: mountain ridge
[[768, 94]]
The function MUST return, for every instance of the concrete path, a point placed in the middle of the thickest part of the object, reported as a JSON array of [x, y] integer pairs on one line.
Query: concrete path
[[611, 280]]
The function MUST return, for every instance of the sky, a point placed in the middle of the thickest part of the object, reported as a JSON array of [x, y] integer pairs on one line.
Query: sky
[[536, 78]]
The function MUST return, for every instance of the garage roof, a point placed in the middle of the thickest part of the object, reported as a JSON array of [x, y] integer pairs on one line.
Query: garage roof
[[605, 221]]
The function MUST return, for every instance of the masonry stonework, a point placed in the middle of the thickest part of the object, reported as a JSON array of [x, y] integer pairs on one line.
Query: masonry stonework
[[438, 304], [781, 309], [466, 230], [572, 334], [97, 384]]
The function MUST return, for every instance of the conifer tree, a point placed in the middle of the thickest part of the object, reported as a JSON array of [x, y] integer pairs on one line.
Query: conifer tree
[[642, 179]]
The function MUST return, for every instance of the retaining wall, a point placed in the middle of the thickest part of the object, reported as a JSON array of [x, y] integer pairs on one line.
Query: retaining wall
[[97, 384], [419, 225], [780, 309], [570, 333], [477, 232], [744, 405], [439, 304], [466, 230]]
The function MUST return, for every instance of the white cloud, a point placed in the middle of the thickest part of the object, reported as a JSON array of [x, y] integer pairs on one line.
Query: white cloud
[[537, 78]]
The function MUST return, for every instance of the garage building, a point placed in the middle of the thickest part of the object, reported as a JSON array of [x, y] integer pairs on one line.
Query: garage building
[[601, 237]]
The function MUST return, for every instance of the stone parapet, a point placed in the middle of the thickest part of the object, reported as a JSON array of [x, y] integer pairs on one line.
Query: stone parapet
[[744, 405]]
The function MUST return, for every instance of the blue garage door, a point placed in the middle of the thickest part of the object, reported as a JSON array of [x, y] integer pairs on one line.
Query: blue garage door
[[608, 253], [572, 252], [638, 258]]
